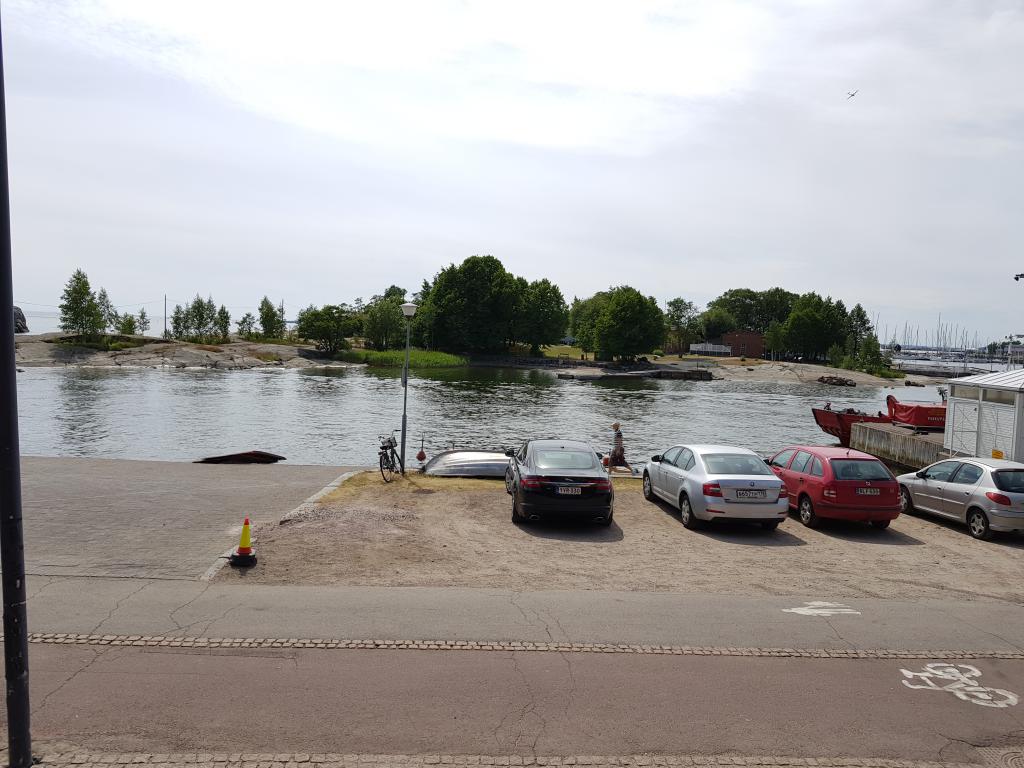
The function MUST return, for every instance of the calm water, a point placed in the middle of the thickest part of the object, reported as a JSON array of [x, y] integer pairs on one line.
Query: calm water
[[334, 416]]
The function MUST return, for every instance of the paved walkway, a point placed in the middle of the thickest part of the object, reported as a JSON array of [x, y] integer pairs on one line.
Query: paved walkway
[[149, 519]]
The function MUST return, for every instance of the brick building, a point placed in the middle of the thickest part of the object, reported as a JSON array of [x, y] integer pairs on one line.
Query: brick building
[[745, 343]]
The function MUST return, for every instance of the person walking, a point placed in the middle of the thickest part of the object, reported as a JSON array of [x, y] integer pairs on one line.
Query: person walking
[[618, 454]]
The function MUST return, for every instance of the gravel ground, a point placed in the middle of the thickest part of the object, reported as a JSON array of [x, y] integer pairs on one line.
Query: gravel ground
[[443, 532]]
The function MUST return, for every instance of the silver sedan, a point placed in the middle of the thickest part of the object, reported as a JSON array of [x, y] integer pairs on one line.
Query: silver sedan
[[714, 482], [987, 494]]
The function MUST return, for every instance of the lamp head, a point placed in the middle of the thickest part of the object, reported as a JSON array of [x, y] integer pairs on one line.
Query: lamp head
[[409, 309]]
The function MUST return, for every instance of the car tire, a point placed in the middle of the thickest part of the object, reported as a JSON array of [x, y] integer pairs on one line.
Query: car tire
[[516, 517], [880, 524], [977, 525], [770, 525], [508, 482], [608, 520], [906, 502], [805, 509], [648, 487], [690, 520]]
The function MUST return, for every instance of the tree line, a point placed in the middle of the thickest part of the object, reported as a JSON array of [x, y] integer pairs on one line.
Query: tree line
[[89, 313]]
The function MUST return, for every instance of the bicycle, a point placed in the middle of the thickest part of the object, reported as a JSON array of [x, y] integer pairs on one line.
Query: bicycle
[[390, 462]]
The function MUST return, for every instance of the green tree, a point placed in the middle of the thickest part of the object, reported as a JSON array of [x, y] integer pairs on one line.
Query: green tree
[[870, 359], [583, 315], [858, 326], [142, 321], [629, 324], [775, 338], [271, 320], [716, 322], [682, 322], [179, 323], [247, 325], [742, 304], [127, 325], [328, 327], [222, 323], [383, 322], [79, 311], [545, 315], [111, 319], [775, 304]]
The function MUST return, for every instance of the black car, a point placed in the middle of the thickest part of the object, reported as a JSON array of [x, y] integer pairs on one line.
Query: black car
[[558, 478]]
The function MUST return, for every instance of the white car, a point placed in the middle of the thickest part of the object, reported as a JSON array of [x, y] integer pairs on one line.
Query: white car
[[716, 482]]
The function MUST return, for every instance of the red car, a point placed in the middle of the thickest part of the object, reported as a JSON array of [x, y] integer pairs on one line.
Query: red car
[[837, 483]]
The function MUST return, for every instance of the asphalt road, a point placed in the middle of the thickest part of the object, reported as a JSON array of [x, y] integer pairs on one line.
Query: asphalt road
[[455, 702]]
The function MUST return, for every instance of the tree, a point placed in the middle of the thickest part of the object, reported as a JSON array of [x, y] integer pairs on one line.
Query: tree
[[682, 323], [629, 324], [775, 337], [79, 311], [742, 305], [247, 325], [583, 315], [717, 322], [870, 359], [110, 317], [383, 322], [222, 323], [126, 325], [271, 319], [142, 321], [858, 326], [328, 327], [544, 316]]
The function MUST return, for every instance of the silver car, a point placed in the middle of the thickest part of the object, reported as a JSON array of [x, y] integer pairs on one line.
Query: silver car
[[715, 482], [987, 494]]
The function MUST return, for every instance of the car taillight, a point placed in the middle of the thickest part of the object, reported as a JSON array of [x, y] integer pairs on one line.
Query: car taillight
[[783, 492], [998, 498], [712, 489], [530, 483], [603, 485], [829, 492]]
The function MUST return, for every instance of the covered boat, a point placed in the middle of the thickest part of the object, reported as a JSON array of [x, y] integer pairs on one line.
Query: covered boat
[[915, 414], [459, 463], [840, 423]]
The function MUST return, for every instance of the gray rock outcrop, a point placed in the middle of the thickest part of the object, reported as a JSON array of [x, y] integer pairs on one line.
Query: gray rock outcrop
[[20, 324]]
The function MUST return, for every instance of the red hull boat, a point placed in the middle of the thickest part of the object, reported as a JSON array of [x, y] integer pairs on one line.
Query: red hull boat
[[920, 415], [840, 423]]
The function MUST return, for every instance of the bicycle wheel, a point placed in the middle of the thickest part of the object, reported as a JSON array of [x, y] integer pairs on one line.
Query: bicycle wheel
[[396, 461], [387, 467]]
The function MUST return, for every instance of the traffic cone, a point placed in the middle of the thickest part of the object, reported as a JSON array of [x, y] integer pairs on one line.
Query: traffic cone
[[244, 556]]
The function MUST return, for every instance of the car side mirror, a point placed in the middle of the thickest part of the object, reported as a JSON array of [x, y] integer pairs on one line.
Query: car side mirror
[[656, 458], [768, 462], [510, 452], [922, 474], [599, 454]]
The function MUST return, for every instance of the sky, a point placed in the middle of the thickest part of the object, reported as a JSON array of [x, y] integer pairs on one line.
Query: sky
[[319, 151]]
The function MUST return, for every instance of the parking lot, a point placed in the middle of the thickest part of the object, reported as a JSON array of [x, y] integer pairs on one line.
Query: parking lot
[[444, 532]]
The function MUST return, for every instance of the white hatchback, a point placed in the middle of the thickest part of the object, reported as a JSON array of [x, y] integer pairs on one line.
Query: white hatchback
[[715, 482]]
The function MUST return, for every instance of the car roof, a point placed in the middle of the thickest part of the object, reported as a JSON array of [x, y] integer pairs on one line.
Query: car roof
[[702, 448], [568, 445], [990, 463], [831, 451]]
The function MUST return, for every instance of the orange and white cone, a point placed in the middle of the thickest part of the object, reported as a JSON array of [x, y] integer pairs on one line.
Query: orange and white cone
[[244, 556]]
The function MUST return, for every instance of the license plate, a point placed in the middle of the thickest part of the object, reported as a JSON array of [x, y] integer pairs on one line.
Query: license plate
[[869, 491], [742, 493], [572, 490]]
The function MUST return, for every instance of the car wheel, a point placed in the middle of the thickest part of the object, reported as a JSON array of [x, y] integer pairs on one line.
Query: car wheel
[[508, 482], [689, 519], [516, 517], [977, 524], [770, 525], [906, 501], [608, 520], [807, 514], [880, 524], [648, 488]]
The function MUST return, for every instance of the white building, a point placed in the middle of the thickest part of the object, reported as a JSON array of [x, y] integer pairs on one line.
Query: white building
[[985, 415], [710, 349]]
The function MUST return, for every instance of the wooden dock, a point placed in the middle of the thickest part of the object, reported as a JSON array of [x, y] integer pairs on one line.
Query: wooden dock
[[898, 445]]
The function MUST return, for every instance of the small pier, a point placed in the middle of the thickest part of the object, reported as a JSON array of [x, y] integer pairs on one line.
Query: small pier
[[898, 445]]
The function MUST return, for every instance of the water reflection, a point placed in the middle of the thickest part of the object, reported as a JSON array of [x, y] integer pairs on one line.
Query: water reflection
[[332, 416]]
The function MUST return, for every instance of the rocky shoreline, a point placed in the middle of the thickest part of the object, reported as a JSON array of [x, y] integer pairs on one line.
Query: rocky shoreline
[[47, 351]]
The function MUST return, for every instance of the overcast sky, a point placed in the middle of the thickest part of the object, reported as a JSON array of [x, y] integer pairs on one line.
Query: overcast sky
[[320, 151]]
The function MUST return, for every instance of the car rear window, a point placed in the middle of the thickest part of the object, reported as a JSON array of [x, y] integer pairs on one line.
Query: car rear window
[[555, 459], [860, 469], [1009, 480], [735, 464]]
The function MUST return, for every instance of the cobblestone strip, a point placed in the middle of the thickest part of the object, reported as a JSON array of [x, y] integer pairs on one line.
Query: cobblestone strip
[[238, 760], [165, 641]]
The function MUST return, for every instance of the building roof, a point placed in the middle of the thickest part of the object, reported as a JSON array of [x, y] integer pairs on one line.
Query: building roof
[[1007, 380]]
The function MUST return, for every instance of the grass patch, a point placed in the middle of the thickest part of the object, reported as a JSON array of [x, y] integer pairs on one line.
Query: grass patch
[[282, 342], [268, 357], [560, 350], [414, 482], [418, 358], [100, 344]]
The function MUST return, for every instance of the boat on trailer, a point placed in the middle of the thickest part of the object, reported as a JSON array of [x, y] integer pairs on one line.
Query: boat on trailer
[[917, 414], [840, 423]]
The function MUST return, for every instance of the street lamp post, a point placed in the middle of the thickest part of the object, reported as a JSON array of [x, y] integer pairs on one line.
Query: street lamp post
[[408, 309]]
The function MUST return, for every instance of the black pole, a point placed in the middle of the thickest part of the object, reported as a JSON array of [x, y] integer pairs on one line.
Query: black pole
[[12, 547]]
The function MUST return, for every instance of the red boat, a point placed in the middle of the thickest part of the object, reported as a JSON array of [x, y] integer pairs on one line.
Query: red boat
[[920, 415], [839, 423]]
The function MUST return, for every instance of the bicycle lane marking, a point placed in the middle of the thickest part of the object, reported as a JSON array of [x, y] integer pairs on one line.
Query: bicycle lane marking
[[962, 681]]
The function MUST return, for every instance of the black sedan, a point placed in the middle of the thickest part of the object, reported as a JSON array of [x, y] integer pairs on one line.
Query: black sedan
[[558, 478]]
